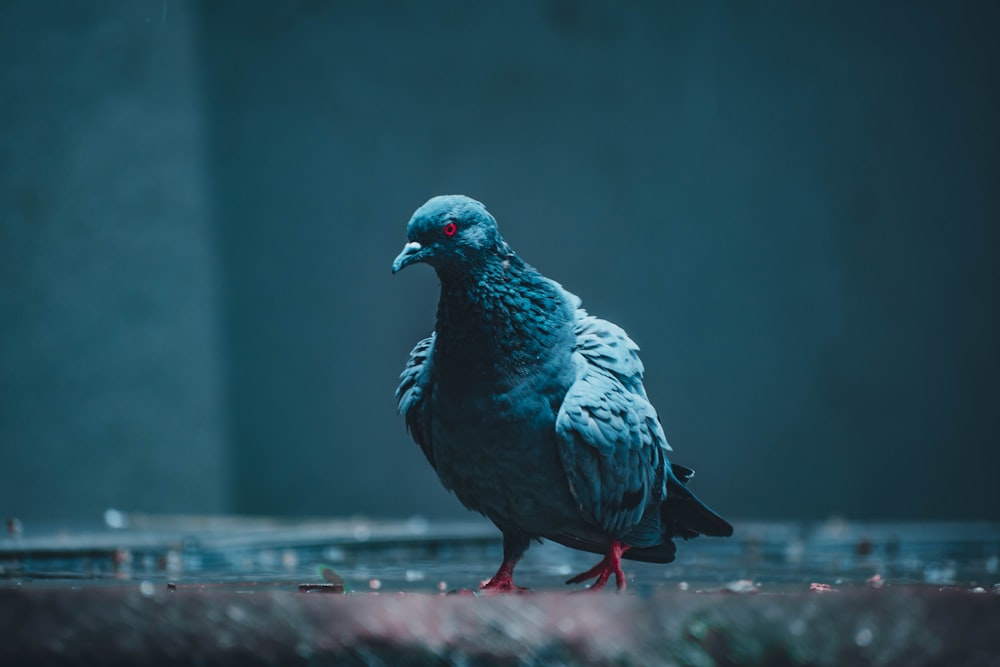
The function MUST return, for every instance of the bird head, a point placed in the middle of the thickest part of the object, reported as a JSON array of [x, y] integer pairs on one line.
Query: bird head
[[450, 232]]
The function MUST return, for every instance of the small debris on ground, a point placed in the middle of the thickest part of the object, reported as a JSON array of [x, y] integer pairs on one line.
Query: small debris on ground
[[822, 588]]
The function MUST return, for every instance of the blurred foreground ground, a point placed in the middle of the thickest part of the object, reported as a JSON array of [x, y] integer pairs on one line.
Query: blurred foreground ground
[[223, 590]]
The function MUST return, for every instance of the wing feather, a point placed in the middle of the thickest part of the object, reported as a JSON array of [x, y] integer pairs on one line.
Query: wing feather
[[415, 386], [611, 443], [607, 346]]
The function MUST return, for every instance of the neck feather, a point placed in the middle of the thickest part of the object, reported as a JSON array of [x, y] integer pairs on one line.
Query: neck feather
[[500, 320]]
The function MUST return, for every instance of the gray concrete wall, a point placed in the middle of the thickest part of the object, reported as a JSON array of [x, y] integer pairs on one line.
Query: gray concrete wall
[[791, 207], [110, 372]]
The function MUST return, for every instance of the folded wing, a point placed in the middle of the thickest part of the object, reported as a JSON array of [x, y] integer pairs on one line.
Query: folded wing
[[416, 383]]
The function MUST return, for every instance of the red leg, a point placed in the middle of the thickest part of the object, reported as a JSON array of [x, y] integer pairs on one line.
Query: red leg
[[610, 564], [514, 546], [503, 580]]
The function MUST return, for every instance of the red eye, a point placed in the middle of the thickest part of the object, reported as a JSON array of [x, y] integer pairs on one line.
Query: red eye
[[450, 228]]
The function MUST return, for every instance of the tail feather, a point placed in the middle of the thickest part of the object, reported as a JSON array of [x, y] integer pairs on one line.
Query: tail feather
[[685, 515], [682, 514], [660, 553]]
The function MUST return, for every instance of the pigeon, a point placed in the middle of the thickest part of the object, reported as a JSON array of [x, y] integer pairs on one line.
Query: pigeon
[[533, 412]]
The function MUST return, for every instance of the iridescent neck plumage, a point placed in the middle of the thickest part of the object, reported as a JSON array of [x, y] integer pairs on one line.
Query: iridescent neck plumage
[[499, 318]]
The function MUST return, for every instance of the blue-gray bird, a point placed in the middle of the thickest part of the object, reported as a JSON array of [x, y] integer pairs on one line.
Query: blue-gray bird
[[533, 412]]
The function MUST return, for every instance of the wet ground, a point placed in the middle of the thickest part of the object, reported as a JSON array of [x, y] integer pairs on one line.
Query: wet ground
[[419, 556], [221, 589]]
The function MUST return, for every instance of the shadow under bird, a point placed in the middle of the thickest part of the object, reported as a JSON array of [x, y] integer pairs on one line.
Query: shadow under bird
[[533, 412]]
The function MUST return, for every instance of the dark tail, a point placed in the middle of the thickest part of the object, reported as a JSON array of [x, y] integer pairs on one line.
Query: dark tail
[[684, 515]]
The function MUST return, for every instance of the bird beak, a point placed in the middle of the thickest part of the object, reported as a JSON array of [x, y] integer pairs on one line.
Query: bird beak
[[411, 253]]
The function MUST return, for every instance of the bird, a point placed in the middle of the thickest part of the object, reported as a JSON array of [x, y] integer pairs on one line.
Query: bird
[[533, 412]]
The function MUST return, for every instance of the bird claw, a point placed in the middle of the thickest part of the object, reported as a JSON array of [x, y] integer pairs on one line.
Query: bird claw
[[602, 572], [503, 581], [610, 564], [492, 586]]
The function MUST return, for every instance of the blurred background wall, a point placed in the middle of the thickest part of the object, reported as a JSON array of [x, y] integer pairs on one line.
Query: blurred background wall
[[792, 207], [112, 378]]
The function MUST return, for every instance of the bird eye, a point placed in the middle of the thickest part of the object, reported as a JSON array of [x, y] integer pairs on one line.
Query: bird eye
[[450, 228]]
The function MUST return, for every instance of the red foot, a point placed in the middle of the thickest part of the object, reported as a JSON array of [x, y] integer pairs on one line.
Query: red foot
[[503, 580], [610, 564]]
